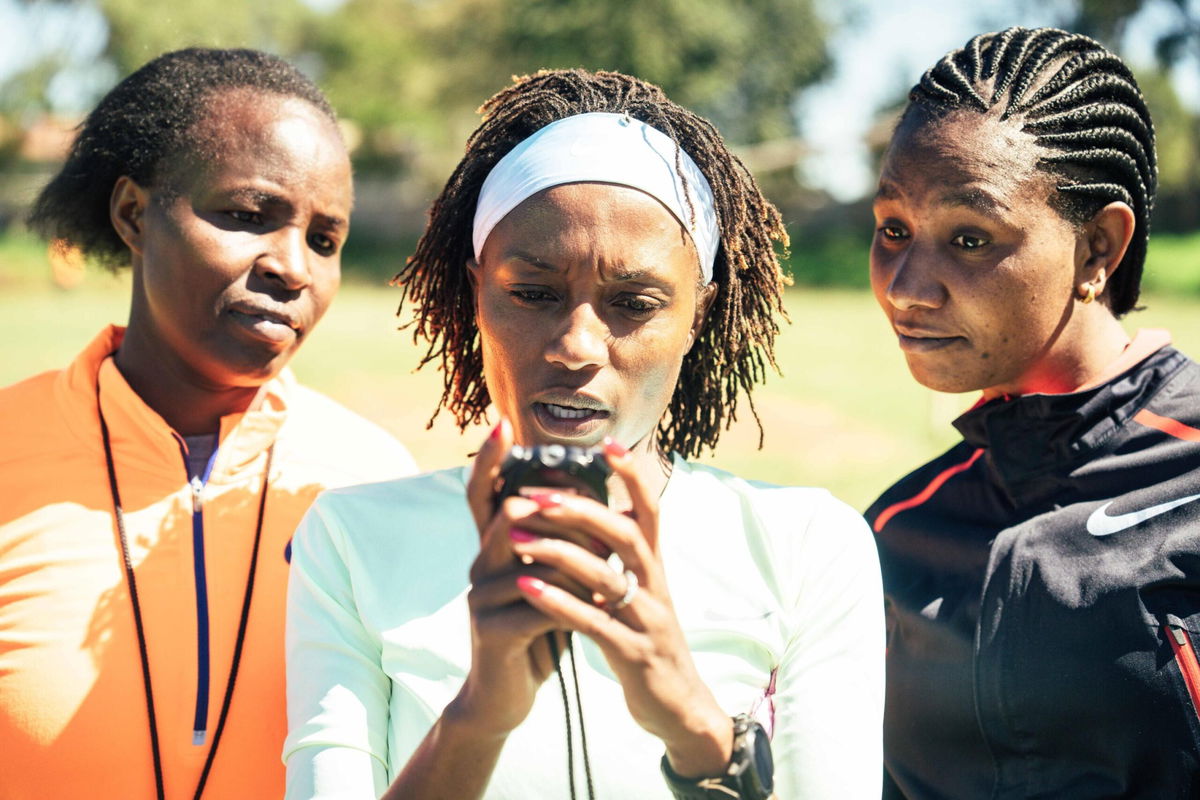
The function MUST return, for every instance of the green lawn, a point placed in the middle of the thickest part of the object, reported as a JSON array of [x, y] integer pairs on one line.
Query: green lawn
[[844, 415]]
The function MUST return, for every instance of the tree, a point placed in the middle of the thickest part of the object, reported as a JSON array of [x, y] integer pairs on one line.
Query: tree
[[412, 73], [138, 34], [1107, 20]]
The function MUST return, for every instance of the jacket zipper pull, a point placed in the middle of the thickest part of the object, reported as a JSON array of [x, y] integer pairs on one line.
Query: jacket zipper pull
[[1185, 658], [197, 494]]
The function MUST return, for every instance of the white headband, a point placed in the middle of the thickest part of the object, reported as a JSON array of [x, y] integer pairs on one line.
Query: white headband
[[605, 148]]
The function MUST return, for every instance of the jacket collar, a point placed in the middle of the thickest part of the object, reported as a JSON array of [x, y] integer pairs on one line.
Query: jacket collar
[[1032, 437], [143, 439]]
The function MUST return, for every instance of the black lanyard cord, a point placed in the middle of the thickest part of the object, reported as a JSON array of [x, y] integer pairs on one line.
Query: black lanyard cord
[[552, 640], [143, 651], [137, 608]]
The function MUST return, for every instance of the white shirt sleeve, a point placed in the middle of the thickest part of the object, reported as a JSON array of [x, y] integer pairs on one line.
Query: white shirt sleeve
[[830, 685], [336, 691]]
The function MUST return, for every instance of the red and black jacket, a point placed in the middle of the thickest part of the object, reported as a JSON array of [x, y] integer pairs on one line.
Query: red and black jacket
[[1043, 597]]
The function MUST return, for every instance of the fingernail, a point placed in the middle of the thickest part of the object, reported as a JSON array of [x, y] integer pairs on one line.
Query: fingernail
[[522, 535], [614, 448], [531, 585], [495, 434], [547, 499]]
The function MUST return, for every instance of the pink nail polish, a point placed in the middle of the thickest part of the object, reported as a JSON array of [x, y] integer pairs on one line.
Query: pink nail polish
[[530, 585], [522, 535], [547, 499], [495, 434], [614, 448]]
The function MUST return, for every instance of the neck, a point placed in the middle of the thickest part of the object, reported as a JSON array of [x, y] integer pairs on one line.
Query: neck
[[173, 390], [653, 466], [1091, 341]]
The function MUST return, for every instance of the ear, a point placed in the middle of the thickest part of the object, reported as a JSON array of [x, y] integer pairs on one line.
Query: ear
[[704, 300], [1101, 247], [126, 209]]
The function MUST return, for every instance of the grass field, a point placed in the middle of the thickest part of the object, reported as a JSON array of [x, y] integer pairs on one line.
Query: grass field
[[845, 414]]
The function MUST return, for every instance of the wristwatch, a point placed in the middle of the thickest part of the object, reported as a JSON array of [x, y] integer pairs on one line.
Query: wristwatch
[[749, 776]]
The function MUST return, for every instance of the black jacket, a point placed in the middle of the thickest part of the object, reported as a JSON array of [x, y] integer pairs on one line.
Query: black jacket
[[1039, 634]]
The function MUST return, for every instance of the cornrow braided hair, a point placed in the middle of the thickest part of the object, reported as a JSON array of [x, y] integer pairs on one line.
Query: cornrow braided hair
[[736, 344], [1083, 106]]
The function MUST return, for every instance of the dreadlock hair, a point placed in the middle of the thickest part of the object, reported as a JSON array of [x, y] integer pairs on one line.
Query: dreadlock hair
[[737, 341], [1082, 105], [141, 128]]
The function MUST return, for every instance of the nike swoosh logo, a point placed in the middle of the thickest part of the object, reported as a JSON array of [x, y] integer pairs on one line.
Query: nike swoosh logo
[[1100, 524]]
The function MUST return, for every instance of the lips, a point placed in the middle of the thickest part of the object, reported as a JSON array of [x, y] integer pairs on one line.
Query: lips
[[915, 339], [269, 324], [570, 416]]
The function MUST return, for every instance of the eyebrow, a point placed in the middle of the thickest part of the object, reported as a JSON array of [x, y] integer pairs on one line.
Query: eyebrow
[[531, 260], [887, 191], [262, 198], [625, 274], [975, 199], [258, 196]]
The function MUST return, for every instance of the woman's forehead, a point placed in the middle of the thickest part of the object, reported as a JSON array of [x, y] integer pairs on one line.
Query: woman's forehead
[[283, 139], [960, 150]]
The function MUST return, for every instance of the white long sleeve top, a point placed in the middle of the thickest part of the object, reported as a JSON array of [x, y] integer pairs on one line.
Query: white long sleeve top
[[777, 591]]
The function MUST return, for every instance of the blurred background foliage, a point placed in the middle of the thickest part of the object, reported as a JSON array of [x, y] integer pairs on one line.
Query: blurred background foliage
[[408, 75]]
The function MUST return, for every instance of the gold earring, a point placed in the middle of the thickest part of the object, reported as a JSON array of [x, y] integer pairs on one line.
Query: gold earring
[[1090, 294]]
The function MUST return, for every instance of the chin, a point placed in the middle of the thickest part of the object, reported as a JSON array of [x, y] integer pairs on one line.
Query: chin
[[943, 381], [253, 372]]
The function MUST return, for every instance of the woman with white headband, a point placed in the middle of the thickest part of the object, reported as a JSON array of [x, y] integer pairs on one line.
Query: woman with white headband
[[602, 270]]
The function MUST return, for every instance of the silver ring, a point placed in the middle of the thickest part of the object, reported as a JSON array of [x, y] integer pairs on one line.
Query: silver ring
[[631, 590]]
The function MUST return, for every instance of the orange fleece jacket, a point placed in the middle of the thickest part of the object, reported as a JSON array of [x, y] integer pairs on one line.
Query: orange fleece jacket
[[73, 717]]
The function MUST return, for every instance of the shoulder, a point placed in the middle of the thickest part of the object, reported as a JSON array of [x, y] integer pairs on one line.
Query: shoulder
[[922, 484], [393, 514], [796, 525], [29, 397], [29, 415], [427, 492], [321, 431], [1179, 398], [400, 543], [779, 509]]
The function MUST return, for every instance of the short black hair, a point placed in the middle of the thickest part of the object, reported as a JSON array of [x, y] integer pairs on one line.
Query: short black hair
[[139, 127], [735, 345], [1086, 109]]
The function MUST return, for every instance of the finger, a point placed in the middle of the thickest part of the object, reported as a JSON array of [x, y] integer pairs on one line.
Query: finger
[[485, 471], [520, 623], [645, 504], [567, 612], [499, 587], [583, 568], [619, 533]]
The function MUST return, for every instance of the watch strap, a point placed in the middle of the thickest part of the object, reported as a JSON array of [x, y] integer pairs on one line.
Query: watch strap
[[691, 789], [735, 782]]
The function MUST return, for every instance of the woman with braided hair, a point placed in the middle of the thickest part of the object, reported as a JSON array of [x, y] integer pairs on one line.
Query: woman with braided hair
[[1042, 574], [602, 270]]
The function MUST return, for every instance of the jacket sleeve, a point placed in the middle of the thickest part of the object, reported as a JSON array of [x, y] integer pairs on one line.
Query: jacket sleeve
[[829, 687], [337, 693]]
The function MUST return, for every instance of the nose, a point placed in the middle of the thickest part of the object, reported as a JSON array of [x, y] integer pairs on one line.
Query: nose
[[285, 262], [581, 341], [910, 279]]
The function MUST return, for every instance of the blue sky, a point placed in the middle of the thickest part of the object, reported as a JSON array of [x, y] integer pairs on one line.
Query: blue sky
[[880, 49]]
